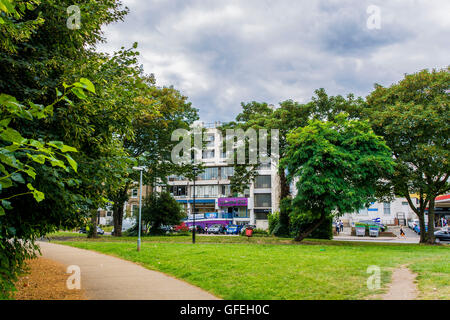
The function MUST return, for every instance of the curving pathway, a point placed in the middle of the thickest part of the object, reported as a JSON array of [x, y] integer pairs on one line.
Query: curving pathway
[[105, 277]]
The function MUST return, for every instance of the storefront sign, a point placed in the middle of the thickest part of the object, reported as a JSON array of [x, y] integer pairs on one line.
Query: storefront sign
[[211, 215], [197, 216], [232, 202]]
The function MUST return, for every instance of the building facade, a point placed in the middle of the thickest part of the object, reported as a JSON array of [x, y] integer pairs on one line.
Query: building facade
[[214, 201]]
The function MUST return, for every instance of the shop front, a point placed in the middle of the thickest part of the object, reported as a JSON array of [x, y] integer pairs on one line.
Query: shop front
[[234, 208]]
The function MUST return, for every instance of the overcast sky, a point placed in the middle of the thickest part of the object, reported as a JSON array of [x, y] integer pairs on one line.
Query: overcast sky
[[220, 53]]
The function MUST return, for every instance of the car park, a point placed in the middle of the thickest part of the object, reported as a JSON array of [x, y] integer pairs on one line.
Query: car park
[[199, 229], [233, 229], [216, 229]]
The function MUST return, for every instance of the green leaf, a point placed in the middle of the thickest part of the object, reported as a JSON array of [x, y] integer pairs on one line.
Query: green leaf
[[72, 162], [17, 177], [12, 135], [88, 84], [6, 204], [5, 122], [68, 149], [2, 211], [39, 196], [79, 93]]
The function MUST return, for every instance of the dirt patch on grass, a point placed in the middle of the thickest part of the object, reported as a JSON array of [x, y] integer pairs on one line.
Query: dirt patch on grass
[[46, 280], [403, 286]]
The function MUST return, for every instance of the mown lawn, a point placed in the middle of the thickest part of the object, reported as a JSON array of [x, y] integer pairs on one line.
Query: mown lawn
[[326, 270]]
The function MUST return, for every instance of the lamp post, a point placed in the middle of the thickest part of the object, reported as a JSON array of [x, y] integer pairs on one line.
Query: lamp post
[[194, 169], [141, 169]]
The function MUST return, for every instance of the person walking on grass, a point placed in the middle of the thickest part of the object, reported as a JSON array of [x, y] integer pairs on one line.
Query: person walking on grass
[[337, 227]]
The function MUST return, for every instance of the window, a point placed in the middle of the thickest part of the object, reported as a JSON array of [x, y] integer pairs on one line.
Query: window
[[178, 191], [226, 190], [205, 191], [134, 209], [263, 182], [263, 200], [209, 140], [226, 172], [387, 208], [264, 166], [134, 193], [209, 174], [405, 203], [109, 213], [207, 154], [363, 211]]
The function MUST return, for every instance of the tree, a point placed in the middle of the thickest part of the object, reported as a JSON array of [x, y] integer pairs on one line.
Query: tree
[[19, 159], [163, 111], [161, 209], [336, 166], [289, 116], [413, 117]]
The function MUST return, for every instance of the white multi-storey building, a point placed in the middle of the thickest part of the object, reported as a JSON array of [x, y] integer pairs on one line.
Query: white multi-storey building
[[214, 202]]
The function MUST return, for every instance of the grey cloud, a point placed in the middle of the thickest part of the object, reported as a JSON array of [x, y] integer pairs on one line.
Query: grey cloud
[[220, 53]]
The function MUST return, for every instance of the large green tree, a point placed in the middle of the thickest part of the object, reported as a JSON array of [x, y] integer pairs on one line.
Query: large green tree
[[413, 117], [288, 116], [336, 166]]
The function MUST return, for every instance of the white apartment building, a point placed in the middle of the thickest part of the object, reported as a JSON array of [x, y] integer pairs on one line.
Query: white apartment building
[[214, 202]]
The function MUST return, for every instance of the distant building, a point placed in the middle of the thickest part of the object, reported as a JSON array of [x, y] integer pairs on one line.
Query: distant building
[[214, 201]]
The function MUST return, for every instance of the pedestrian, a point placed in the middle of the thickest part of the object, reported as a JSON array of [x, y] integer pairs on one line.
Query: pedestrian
[[341, 226], [206, 229], [337, 227], [402, 233]]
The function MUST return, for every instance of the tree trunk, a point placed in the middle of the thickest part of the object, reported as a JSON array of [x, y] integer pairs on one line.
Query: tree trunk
[[313, 227], [93, 227], [284, 213], [119, 203], [430, 232], [118, 219]]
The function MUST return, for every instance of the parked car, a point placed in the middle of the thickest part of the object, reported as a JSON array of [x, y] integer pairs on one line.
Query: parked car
[[99, 230], [233, 229], [442, 235], [216, 229], [417, 228], [199, 229], [412, 223], [181, 227]]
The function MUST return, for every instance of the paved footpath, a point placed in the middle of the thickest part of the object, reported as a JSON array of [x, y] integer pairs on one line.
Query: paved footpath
[[105, 277]]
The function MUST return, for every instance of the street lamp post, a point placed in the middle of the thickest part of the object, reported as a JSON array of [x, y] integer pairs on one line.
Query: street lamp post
[[194, 226], [141, 169]]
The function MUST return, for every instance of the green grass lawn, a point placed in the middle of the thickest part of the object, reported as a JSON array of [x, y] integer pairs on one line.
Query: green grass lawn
[[326, 270]]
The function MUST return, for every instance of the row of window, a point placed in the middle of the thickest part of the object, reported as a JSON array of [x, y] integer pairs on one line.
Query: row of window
[[386, 208]]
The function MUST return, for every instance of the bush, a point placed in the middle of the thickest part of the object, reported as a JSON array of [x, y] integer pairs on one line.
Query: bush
[[274, 219], [302, 222]]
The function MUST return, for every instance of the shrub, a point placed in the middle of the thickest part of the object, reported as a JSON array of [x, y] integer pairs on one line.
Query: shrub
[[274, 219], [299, 223]]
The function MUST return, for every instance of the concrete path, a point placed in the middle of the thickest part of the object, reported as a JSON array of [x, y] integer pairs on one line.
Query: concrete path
[[105, 277], [402, 286]]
